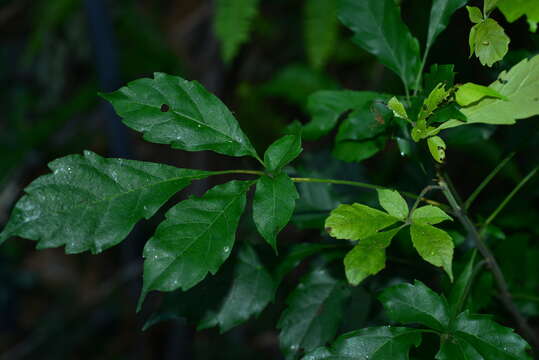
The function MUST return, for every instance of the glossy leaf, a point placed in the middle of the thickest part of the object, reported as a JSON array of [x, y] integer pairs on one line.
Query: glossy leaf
[[437, 148], [489, 42], [433, 245], [357, 221], [233, 21], [282, 152], [379, 29], [273, 205], [375, 343], [393, 203], [429, 214], [92, 203], [398, 108], [326, 107], [470, 93], [321, 29], [416, 304], [368, 257], [475, 14], [181, 113], [196, 237], [252, 290], [440, 15], [313, 314]]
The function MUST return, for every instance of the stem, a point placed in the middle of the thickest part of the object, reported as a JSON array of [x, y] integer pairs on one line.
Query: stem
[[505, 295], [468, 287], [420, 74], [419, 199]]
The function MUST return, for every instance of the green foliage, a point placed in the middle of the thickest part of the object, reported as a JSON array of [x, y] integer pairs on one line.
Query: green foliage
[[393, 203], [321, 29], [488, 42], [282, 152], [470, 93], [233, 21], [434, 245], [514, 9], [440, 14]]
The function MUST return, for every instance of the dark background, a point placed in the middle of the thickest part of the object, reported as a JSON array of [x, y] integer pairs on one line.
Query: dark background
[[55, 55]]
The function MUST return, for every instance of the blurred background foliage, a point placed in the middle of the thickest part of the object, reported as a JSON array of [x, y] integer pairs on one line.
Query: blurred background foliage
[[57, 54]]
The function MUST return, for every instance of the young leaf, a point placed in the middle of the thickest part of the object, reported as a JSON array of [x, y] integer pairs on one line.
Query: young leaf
[[374, 343], [430, 215], [434, 245], [313, 314], [252, 290], [393, 203], [437, 148], [196, 238], [326, 107], [273, 205], [171, 110], [398, 108], [475, 14], [489, 5], [357, 221], [321, 28], [470, 93], [92, 203], [233, 19], [440, 14], [439, 74], [416, 304], [368, 257], [489, 42], [489, 339], [379, 29], [520, 85], [282, 152], [437, 96]]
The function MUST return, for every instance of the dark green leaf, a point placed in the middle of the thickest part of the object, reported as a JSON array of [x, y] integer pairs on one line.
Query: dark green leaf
[[379, 29], [196, 238], [282, 152], [92, 203], [314, 312], [440, 14], [457, 349], [252, 289], [393, 203], [365, 123], [321, 30], [326, 107], [416, 304], [296, 254], [368, 257], [444, 74], [433, 245], [273, 205], [171, 110], [460, 288], [357, 151], [376, 343], [233, 20], [448, 112]]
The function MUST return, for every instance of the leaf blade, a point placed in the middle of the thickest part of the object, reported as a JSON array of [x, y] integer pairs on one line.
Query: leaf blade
[[433, 245], [440, 14]]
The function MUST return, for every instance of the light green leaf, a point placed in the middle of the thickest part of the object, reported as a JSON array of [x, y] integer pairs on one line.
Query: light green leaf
[[440, 14], [273, 205], [520, 85], [181, 113], [393, 203], [379, 29], [313, 314], [252, 290], [368, 257], [416, 304], [475, 14], [375, 343], [433, 245], [196, 237], [233, 20], [470, 93], [282, 152], [326, 107], [437, 148], [436, 97], [321, 29], [357, 221], [489, 5], [398, 108], [490, 43], [430, 215], [514, 9], [92, 203]]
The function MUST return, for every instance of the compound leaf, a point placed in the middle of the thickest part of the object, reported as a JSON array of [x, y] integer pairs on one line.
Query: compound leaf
[[375, 343], [429, 214], [92, 203], [273, 205], [196, 238], [252, 289], [433, 245], [233, 20], [357, 221], [416, 304], [282, 152], [181, 113], [379, 29], [321, 29], [440, 14], [314, 312], [393, 203]]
